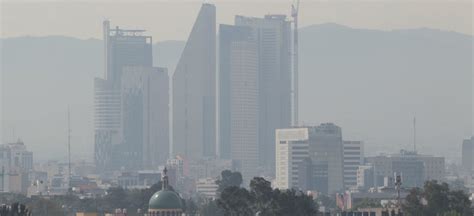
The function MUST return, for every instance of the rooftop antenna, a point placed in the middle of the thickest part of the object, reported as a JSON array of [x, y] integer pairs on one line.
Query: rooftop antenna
[[398, 186], [294, 13], [69, 146], [414, 134]]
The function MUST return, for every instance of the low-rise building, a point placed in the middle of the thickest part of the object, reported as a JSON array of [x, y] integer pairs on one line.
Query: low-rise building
[[207, 187], [414, 168]]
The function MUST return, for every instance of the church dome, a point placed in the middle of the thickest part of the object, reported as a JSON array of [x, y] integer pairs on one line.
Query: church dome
[[165, 199]]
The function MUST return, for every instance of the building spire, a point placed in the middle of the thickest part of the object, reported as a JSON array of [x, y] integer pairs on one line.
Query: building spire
[[165, 179]]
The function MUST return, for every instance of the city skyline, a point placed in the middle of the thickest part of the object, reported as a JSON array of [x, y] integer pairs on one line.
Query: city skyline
[[9, 129], [257, 116]]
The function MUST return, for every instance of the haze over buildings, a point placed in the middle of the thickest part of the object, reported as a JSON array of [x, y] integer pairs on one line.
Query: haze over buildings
[[194, 90], [220, 112], [131, 104]]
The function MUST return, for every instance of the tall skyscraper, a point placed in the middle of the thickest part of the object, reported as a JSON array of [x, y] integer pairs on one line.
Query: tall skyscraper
[[194, 91], [122, 133], [107, 123], [468, 154], [228, 34], [238, 84], [145, 117], [353, 158], [273, 36], [321, 144]]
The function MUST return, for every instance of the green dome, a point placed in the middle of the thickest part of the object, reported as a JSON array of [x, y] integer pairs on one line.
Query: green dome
[[165, 199]]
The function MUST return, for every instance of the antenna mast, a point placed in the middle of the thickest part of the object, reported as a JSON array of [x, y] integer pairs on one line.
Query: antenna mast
[[69, 146], [294, 13], [414, 134]]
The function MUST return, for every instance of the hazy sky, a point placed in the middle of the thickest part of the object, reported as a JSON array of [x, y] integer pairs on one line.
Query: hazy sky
[[172, 20]]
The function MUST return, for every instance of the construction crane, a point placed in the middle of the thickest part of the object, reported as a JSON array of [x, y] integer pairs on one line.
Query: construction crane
[[294, 13]]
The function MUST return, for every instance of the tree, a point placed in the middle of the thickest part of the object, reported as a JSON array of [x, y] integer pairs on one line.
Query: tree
[[229, 179], [458, 184], [262, 190], [436, 199], [412, 205], [209, 208], [236, 201], [459, 202], [293, 202], [436, 196], [115, 198]]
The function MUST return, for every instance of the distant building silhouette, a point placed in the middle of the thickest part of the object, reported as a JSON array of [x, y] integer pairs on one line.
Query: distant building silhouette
[[131, 104], [145, 117], [273, 36], [238, 110], [194, 91], [414, 168], [468, 154]]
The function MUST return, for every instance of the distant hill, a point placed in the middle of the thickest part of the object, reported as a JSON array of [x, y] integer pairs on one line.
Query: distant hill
[[369, 82], [372, 83]]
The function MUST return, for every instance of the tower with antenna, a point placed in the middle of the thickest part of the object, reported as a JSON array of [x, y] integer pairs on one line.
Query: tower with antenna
[[294, 13], [69, 147]]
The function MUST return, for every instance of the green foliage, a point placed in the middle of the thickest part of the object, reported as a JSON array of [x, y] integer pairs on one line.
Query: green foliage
[[236, 201], [413, 205], [210, 209], [264, 201], [229, 179], [436, 199]]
